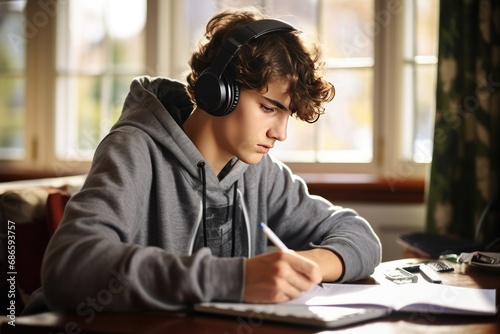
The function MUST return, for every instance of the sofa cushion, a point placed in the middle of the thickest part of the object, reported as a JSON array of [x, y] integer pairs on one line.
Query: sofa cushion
[[36, 213]]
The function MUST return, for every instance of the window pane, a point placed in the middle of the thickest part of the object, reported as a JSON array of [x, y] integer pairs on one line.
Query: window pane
[[99, 54], [347, 28], [12, 96], [426, 45], [302, 14], [89, 93], [427, 27], [12, 40], [345, 132], [83, 40], [199, 12], [12, 82], [424, 113], [418, 107], [79, 108], [125, 26]]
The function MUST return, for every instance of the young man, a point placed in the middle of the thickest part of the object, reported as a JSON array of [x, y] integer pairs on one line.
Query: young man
[[169, 213]]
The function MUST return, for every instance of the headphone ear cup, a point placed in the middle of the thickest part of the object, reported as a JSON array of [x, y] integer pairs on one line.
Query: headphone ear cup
[[232, 93], [218, 97], [209, 92]]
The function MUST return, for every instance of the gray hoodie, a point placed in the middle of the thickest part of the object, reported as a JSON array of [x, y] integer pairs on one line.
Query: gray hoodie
[[153, 228]]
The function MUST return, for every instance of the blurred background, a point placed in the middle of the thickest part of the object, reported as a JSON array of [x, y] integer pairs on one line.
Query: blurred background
[[66, 67]]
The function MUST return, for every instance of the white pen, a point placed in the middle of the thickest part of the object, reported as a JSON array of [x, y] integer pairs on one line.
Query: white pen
[[273, 237]]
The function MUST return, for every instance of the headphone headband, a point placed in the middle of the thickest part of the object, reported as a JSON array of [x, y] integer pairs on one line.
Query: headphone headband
[[241, 37], [214, 92]]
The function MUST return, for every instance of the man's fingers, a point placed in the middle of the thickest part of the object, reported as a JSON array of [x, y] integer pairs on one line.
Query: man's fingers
[[284, 291], [308, 268], [278, 277]]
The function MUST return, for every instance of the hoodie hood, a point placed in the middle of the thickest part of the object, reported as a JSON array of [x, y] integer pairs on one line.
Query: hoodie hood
[[170, 104]]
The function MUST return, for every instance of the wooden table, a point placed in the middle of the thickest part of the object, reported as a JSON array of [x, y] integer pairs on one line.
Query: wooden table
[[153, 323]]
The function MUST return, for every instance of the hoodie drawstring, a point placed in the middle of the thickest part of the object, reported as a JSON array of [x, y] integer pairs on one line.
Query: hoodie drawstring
[[233, 223], [201, 166]]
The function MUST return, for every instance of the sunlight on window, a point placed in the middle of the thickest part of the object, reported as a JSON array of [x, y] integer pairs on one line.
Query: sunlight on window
[[101, 48], [345, 132], [126, 18], [12, 80], [420, 52]]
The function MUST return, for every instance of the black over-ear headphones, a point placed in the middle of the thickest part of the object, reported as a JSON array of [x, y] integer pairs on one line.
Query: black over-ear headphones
[[214, 90]]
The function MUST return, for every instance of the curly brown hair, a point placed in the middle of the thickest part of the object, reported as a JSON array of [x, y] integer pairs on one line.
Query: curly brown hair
[[285, 56]]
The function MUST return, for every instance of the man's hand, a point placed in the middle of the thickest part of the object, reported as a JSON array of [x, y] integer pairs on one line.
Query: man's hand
[[278, 277]]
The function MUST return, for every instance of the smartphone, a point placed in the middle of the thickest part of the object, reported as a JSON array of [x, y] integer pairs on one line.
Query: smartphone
[[483, 258]]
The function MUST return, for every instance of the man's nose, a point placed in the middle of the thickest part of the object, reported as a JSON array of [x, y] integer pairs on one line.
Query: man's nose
[[279, 128]]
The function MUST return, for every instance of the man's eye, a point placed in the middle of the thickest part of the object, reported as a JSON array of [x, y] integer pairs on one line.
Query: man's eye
[[266, 109]]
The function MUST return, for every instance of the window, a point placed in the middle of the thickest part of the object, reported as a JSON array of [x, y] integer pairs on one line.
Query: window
[[380, 55], [100, 49], [12, 80]]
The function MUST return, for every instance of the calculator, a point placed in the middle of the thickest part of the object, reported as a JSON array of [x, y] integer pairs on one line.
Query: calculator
[[440, 266]]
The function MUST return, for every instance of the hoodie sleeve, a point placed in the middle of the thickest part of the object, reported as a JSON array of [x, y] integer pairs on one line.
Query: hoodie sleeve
[[304, 221], [93, 263]]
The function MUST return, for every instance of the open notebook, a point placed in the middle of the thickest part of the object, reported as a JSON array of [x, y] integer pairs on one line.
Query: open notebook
[[432, 298], [335, 305]]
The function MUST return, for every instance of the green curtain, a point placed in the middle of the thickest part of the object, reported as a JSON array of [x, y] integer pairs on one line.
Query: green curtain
[[465, 169]]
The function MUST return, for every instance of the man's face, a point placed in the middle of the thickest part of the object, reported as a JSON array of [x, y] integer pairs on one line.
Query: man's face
[[260, 119]]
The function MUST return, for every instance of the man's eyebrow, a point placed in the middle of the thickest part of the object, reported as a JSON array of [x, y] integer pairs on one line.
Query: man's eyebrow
[[276, 103]]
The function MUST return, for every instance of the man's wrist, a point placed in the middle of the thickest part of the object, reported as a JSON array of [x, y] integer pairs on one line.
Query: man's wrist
[[329, 262]]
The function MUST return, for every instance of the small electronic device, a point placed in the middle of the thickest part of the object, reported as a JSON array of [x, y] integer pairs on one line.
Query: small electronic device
[[400, 276], [429, 274], [412, 268], [483, 258], [440, 266]]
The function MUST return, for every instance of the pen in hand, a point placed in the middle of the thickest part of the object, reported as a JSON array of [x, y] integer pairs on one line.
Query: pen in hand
[[273, 237], [275, 240]]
